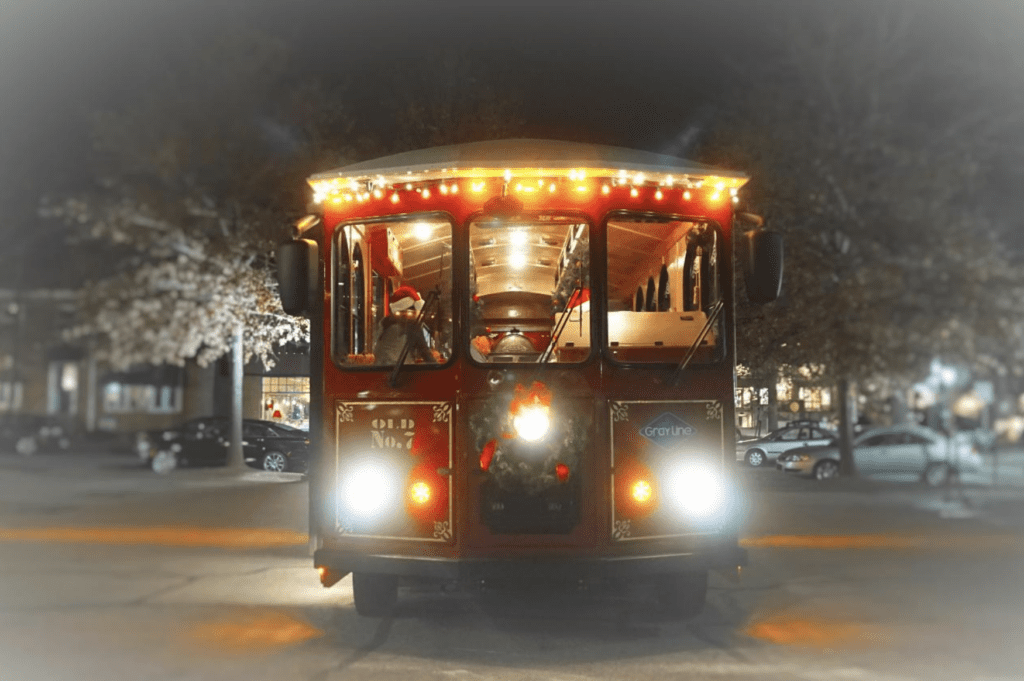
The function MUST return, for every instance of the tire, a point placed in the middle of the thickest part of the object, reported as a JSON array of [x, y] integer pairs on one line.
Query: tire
[[27, 446], [826, 470], [163, 462], [756, 458], [937, 474], [682, 596], [375, 595], [275, 462]]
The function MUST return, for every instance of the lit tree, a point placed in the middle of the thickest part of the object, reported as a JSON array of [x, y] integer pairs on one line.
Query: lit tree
[[196, 181]]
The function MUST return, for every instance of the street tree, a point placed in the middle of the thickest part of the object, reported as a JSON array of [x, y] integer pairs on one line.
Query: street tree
[[195, 180], [872, 144]]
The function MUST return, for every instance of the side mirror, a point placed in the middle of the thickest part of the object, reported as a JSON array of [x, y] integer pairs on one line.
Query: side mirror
[[762, 268], [298, 264]]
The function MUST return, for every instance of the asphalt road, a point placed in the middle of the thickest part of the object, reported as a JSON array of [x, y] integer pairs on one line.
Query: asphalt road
[[108, 571]]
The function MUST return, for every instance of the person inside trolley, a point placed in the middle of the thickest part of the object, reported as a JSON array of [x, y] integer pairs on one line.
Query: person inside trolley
[[400, 327]]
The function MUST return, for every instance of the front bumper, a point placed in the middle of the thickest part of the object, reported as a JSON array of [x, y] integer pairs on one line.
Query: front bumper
[[535, 569], [796, 467]]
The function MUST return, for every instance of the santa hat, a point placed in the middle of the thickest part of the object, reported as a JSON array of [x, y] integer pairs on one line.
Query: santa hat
[[405, 297]]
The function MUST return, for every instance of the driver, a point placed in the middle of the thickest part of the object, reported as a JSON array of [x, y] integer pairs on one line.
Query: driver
[[404, 306]]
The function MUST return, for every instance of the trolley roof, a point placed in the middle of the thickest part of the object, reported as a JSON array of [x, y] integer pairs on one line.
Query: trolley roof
[[526, 157]]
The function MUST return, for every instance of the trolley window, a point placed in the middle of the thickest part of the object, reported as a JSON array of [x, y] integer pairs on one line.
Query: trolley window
[[664, 284], [530, 287], [392, 292]]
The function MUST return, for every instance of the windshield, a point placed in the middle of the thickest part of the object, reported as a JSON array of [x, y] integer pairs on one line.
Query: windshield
[[664, 283], [530, 286], [392, 292]]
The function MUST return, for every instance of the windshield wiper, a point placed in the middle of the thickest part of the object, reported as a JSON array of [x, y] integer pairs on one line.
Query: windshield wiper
[[560, 327], [716, 310], [411, 331]]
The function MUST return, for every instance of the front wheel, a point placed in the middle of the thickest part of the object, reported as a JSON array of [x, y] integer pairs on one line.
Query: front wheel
[[755, 457], [374, 595], [826, 470], [275, 462], [164, 462], [937, 474], [682, 596], [26, 446]]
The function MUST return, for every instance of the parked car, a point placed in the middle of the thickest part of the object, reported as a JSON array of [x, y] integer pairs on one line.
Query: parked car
[[763, 450], [29, 434], [204, 442], [904, 450]]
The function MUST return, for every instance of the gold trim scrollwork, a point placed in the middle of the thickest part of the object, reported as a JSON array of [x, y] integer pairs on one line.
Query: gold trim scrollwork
[[622, 529], [442, 412], [620, 412], [714, 410], [346, 413], [442, 530]]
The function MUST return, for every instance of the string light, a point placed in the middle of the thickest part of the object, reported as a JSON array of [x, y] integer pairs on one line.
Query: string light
[[338, 190]]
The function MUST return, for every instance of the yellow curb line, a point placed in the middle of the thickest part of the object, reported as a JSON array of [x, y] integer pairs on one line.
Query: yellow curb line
[[252, 538], [159, 536], [884, 542]]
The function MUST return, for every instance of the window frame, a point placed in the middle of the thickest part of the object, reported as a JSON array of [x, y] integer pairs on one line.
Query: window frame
[[336, 234], [572, 218], [721, 351]]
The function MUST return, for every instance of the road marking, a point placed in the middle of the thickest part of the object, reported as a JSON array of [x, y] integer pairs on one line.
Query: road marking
[[942, 542], [235, 538], [264, 538], [253, 631]]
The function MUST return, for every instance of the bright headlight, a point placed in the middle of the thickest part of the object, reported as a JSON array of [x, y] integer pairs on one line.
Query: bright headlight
[[697, 490], [532, 423], [368, 489]]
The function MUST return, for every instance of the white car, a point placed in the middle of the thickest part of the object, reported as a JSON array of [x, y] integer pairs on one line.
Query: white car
[[763, 450], [906, 451]]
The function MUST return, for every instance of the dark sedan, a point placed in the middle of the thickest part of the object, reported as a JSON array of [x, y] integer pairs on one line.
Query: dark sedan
[[204, 442], [29, 434]]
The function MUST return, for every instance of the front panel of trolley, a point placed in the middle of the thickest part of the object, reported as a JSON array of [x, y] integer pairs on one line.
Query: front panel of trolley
[[564, 378]]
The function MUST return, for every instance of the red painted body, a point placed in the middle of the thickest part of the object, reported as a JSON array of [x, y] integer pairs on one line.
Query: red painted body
[[594, 387]]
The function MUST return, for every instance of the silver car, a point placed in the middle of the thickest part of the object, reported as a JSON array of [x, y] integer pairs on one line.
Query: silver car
[[761, 451], [904, 451]]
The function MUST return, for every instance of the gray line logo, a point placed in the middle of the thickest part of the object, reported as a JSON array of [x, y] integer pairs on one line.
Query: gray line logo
[[668, 430]]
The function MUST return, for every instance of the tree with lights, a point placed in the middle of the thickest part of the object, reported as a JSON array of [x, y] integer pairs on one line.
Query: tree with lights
[[871, 144], [197, 179]]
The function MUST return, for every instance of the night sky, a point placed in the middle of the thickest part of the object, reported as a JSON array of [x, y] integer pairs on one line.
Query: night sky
[[630, 73]]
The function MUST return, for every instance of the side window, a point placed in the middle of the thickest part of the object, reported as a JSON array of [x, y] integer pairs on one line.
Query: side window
[[790, 435], [913, 439], [875, 441], [664, 290], [342, 295], [392, 287], [358, 301]]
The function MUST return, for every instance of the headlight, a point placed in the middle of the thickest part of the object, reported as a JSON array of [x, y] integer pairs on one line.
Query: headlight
[[367, 489], [532, 423], [696, 489]]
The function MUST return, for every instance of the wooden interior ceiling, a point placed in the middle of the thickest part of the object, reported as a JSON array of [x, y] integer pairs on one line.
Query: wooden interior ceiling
[[636, 250]]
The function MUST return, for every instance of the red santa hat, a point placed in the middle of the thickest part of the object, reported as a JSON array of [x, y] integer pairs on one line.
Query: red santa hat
[[405, 297]]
